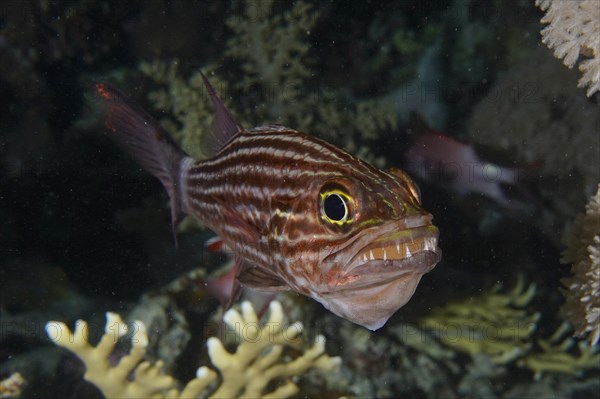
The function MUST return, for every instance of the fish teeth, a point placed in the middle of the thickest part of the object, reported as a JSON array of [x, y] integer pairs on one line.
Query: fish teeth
[[384, 254], [398, 248], [372, 257], [408, 251], [430, 244]]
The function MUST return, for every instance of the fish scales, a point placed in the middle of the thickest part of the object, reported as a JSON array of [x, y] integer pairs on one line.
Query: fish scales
[[251, 171], [297, 212]]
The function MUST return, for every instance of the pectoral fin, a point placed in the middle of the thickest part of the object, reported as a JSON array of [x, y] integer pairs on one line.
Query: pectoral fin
[[260, 279]]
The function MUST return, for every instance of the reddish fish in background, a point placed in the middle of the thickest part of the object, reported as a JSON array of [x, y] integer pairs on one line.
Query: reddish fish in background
[[450, 163], [298, 213]]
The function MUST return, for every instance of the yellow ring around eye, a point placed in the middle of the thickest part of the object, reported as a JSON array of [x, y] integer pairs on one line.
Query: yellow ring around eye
[[346, 200]]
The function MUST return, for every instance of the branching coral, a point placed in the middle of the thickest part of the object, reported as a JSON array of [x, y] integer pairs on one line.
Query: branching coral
[[275, 60], [557, 355], [248, 372], [274, 85], [573, 31], [188, 102], [498, 325], [270, 47], [11, 386], [495, 323], [582, 292], [114, 381]]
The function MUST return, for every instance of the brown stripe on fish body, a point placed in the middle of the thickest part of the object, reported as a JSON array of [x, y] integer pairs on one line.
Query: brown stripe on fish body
[[253, 167], [245, 177], [270, 178], [249, 185], [250, 162], [274, 148]]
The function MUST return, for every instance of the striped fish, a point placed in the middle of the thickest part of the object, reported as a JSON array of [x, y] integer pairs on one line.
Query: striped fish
[[298, 213]]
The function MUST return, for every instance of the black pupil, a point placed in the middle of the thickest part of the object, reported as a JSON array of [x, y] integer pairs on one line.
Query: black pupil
[[334, 207]]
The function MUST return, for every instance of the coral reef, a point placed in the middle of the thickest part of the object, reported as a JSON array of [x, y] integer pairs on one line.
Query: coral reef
[[159, 312], [275, 85], [75, 240], [573, 32], [11, 386], [188, 103], [557, 355], [248, 372], [404, 360], [536, 112], [498, 326], [382, 366], [495, 323], [582, 289], [273, 53]]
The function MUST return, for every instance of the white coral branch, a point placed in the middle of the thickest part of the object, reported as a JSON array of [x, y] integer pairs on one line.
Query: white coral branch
[[582, 293], [573, 32]]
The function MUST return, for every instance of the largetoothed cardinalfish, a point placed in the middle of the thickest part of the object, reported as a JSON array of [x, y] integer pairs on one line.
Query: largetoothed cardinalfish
[[298, 213]]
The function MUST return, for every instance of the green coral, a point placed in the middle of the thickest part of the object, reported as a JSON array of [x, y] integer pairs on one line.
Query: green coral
[[270, 50], [557, 355], [495, 323], [498, 325], [273, 54], [188, 103]]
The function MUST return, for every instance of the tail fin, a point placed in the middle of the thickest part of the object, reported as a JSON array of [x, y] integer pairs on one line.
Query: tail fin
[[147, 142]]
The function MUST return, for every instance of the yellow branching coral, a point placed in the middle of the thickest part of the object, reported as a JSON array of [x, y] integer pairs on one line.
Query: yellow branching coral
[[573, 31], [114, 381], [582, 292], [498, 325], [557, 355], [495, 323], [248, 372], [11, 386]]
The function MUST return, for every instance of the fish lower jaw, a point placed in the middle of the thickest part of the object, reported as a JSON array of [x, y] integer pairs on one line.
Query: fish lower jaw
[[363, 275]]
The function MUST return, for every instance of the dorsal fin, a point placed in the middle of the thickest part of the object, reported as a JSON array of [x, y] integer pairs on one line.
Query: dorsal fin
[[225, 124]]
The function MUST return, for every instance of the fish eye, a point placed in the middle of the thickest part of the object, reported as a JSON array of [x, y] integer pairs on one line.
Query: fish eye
[[335, 207]]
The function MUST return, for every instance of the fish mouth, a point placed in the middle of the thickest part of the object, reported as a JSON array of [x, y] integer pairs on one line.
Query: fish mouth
[[375, 273], [409, 246], [398, 247]]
